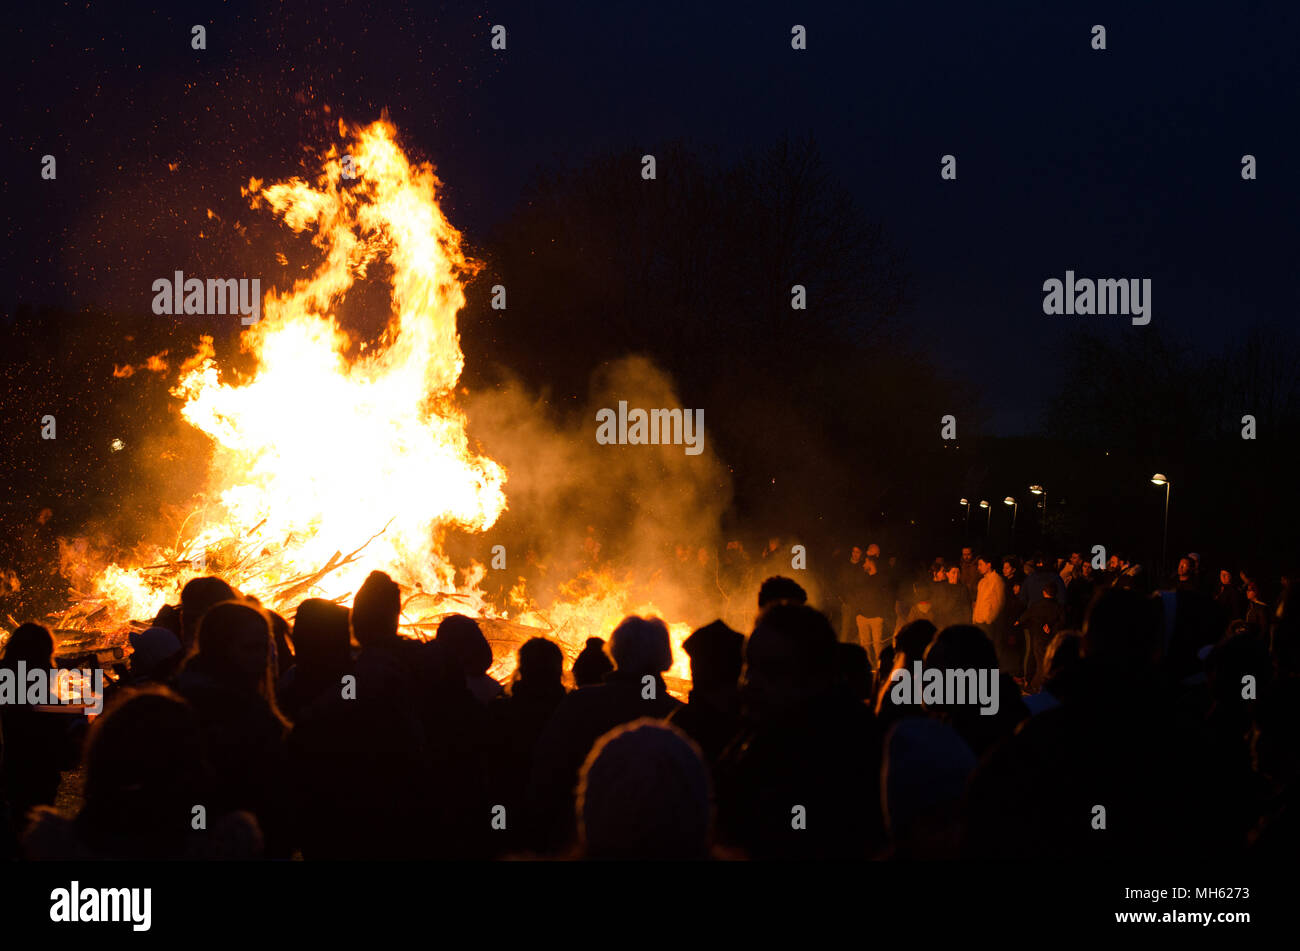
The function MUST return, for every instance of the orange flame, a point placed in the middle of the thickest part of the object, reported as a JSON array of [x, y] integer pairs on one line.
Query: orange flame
[[322, 462]]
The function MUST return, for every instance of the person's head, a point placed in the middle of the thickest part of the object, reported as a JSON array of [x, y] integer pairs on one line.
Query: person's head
[[1112, 563], [155, 652], [1225, 578], [853, 669], [961, 647], [464, 643], [321, 636], [592, 663], [644, 794], [1184, 569], [1086, 569], [984, 564], [778, 589], [870, 565], [1008, 568], [1076, 558], [541, 665], [913, 638], [641, 646], [144, 770], [169, 617], [855, 554], [375, 611], [198, 595], [966, 555], [938, 570], [31, 643], [717, 653], [234, 645], [953, 574], [789, 660], [873, 551]]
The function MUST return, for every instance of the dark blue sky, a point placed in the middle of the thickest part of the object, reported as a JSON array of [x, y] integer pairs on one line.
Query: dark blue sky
[[1122, 163]]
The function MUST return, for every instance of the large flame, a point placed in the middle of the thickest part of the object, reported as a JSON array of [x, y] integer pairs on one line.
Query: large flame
[[327, 467]]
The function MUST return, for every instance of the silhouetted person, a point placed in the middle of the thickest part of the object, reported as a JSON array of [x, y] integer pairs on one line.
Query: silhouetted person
[[951, 602], [877, 601], [322, 643], [515, 723], [592, 663], [145, 771], [909, 646], [155, 656], [230, 684], [780, 589], [968, 572], [35, 745], [711, 715], [634, 689], [169, 617], [1060, 670], [964, 647], [848, 584], [802, 778], [925, 768], [853, 671], [362, 771], [1038, 625], [198, 595], [1227, 597], [465, 644], [644, 794]]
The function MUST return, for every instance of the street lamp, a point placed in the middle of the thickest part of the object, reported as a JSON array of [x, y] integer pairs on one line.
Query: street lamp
[[1014, 512], [989, 519], [1040, 490], [1161, 479], [966, 502]]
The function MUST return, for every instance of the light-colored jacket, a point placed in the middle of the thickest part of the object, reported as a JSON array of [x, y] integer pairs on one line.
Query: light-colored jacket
[[989, 599]]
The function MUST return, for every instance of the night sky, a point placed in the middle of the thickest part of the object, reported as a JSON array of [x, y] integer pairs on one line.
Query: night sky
[[1116, 163]]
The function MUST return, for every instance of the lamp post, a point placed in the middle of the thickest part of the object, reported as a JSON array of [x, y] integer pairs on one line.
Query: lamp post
[[1161, 479], [988, 520], [1014, 512], [966, 502], [1040, 490]]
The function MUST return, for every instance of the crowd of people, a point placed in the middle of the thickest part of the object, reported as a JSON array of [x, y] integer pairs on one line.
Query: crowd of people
[[234, 734]]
